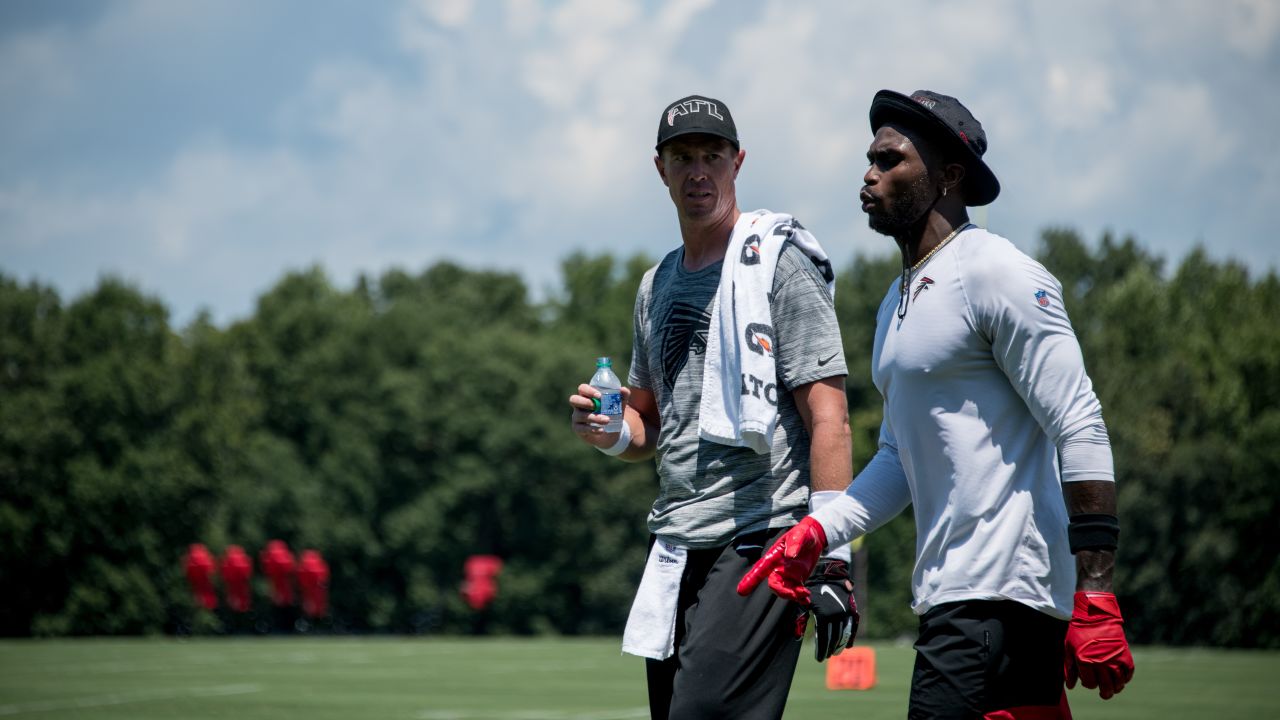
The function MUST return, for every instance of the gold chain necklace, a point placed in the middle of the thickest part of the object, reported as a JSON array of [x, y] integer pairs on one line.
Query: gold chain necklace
[[938, 247], [906, 271]]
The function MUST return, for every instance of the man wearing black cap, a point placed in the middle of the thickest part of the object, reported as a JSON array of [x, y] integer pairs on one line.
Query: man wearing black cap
[[991, 431], [737, 385]]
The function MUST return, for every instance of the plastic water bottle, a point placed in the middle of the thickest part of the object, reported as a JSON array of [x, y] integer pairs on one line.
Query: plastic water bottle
[[610, 401]]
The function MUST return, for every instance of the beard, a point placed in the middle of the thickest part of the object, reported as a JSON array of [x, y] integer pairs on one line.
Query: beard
[[907, 209]]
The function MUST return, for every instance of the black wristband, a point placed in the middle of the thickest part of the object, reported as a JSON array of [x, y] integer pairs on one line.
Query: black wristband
[[1093, 531]]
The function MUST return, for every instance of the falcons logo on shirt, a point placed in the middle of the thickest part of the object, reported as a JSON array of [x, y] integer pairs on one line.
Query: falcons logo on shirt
[[683, 334], [924, 284]]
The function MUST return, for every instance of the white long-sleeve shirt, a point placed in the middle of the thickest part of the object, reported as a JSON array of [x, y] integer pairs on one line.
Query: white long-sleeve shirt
[[985, 398]]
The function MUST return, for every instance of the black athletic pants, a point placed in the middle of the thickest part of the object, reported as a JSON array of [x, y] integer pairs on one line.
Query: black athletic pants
[[734, 656], [978, 656]]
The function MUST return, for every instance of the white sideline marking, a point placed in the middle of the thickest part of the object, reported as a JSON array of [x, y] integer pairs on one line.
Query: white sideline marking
[[126, 698], [624, 714]]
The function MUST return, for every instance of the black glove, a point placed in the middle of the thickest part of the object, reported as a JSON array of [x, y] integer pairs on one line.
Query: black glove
[[835, 613]]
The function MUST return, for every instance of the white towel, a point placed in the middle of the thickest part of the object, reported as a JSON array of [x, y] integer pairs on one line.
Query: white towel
[[736, 409], [651, 626]]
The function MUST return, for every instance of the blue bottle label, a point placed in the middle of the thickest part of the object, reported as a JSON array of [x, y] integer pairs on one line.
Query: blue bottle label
[[610, 404]]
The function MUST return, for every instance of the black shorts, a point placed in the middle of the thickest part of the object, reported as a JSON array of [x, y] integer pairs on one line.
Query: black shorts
[[735, 656], [977, 656]]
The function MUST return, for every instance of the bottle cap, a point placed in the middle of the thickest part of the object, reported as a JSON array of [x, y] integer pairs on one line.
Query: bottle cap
[[595, 404], [604, 362]]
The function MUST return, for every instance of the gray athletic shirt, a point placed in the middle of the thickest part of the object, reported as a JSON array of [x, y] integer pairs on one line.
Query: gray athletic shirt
[[709, 493]]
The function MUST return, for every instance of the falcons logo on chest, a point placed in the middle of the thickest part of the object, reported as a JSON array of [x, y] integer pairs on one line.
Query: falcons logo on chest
[[923, 284]]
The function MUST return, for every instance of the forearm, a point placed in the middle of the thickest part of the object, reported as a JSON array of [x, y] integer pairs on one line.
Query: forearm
[[831, 455], [874, 498], [1094, 568], [1096, 649], [825, 412], [830, 469], [644, 438]]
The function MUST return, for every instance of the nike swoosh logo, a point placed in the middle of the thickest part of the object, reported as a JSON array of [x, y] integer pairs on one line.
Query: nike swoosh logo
[[826, 590], [822, 362]]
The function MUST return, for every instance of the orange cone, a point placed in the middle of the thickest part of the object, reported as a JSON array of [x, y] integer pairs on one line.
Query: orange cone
[[853, 669]]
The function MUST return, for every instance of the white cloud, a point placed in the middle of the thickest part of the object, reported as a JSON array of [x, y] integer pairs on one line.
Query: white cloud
[[132, 20], [522, 18], [1147, 150], [676, 15], [587, 40], [507, 135], [1078, 98], [1252, 26], [33, 67], [447, 13], [1190, 28]]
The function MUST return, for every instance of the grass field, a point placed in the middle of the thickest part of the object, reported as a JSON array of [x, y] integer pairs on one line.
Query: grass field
[[510, 679]]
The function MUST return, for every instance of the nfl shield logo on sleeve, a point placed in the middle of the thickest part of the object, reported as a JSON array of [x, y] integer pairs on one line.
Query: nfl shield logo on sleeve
[[1042, 298]]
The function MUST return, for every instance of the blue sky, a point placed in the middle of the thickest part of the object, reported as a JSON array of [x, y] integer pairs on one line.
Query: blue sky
[[202, 149]]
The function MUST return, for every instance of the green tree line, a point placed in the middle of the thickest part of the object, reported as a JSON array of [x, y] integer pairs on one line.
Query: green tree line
[[410, 421]]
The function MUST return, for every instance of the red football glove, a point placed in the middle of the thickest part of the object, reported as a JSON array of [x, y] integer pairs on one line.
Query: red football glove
[[789, 562], [1097, 652]]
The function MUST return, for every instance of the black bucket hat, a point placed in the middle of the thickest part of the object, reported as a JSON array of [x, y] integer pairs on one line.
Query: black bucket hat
[[696, 114], [943, 118]]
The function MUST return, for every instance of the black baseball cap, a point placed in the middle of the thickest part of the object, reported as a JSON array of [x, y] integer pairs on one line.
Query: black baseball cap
[[943, 118], [696, 114]]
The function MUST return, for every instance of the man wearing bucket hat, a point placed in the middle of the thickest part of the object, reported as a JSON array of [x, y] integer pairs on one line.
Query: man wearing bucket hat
[[736, 384], [991, 431]]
